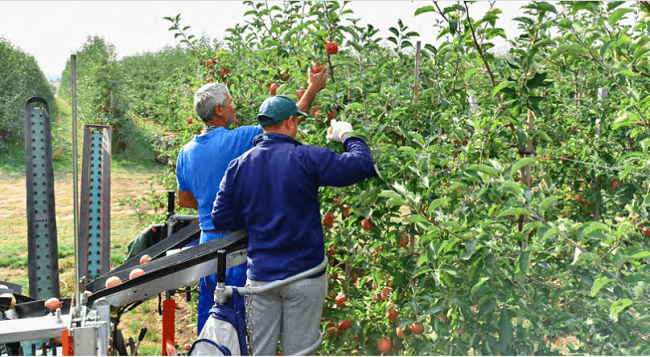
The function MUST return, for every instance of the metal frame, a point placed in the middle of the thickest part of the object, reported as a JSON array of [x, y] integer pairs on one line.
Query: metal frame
[[94, 215], [175, 271], [42, 249], [177, 240]]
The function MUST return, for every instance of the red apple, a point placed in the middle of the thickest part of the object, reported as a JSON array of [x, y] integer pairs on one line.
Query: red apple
[[274, 87], [136, 273], [345, 324], [384, 345], [113, 281], [328, 221], [53, 304], [316, 68], [391, 314], [366, 224], [417, 328], [340, 301], [385, 292], [404, 240], [145, 258]]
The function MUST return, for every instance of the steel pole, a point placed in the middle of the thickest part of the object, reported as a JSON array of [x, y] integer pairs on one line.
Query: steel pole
[[75, 180]]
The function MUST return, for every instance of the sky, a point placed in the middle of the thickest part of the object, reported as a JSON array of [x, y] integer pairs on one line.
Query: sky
[[51, 31]]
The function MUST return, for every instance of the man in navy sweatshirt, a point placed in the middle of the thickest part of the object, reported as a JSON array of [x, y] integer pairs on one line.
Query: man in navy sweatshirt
[[271, 191]]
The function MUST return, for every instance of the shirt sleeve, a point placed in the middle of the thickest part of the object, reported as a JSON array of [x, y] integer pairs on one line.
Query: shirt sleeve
[[182, 185], [338, 170], [225, 211]]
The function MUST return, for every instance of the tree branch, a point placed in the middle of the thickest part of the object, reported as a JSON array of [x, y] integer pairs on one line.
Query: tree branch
[[480, 52]]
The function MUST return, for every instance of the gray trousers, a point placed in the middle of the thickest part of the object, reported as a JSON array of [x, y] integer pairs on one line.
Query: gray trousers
[[294, 309]]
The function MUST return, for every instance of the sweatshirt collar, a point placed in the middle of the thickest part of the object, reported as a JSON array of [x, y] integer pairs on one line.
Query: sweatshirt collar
[[265, 139]]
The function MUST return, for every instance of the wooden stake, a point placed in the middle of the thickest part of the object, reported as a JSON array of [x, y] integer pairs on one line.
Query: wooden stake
[[417, 73], [415, 101], [349, 81]]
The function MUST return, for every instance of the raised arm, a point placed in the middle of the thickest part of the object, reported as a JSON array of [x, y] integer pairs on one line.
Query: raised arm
[[316, 82], [353, 166]]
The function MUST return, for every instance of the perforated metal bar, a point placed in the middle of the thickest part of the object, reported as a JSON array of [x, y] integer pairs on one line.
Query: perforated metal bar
[[42, 248], [94, 213]]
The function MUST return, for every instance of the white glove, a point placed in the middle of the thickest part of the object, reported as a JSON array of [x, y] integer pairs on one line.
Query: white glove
[[337, 130]]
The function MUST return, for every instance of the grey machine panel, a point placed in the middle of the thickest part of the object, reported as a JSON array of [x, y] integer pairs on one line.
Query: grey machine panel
[[42, 251], [95, 209]]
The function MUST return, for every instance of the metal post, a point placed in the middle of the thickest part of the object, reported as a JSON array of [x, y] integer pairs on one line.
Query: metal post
[[75, 183]]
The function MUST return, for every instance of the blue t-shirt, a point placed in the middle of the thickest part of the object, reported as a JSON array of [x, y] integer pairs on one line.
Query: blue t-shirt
[[202, 163], [272, 193]]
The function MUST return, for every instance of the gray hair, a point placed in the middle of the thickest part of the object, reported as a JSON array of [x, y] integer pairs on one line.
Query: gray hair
[[207, 97]]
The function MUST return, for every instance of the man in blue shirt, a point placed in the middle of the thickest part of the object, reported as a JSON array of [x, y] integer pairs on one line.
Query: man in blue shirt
[[202, 162], [271, 191]]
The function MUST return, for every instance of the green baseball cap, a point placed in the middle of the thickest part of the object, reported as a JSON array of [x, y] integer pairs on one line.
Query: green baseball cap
[[277, 109]]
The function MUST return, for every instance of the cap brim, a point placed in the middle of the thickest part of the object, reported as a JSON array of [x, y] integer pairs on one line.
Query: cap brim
[[301, 113]]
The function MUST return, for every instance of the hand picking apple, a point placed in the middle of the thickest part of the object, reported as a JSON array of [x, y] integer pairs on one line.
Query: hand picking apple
[[337, 130]]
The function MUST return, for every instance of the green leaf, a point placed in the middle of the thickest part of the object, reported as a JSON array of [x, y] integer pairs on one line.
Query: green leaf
[[594, 226], [566, 23], [506, 331], [587, 257], [641, 52], [625, 119], [502, 86], [544, 6], [598, 284], [525, 20], [485, 169], [456, 7], [536, 81], [617, 307], [354, 106], [471, 72], [640, 255], [523, 263], [547, 203], [542, 43], [424, 9], [517, 211], [513, 187], [476, 286], [573, 48], [415, 218], [437, 203], [394, 199], [550, 232], [453, 25], [532, 225], [521, 163], [617, 15], [423, 259]]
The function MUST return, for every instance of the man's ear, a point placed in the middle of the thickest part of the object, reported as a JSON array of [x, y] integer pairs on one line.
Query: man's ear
[[217, 109], [287, 123]]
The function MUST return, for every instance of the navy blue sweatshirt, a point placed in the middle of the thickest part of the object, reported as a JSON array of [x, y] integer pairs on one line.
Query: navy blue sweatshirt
[[271, 191]]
